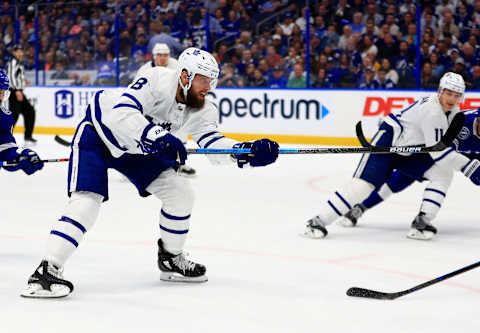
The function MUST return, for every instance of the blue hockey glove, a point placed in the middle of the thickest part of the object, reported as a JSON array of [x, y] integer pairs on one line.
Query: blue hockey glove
[[157, 139], [28, 161], [471, 170], [263, 152]]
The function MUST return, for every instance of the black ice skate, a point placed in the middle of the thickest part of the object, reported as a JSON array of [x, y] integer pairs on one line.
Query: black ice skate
[[315, 228], [351, 217], [421, 229], [187, 171], [47, 282], [177, 268]]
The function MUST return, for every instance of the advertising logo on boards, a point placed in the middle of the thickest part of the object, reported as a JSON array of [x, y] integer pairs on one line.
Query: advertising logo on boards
[[383, 106], [64, 104]]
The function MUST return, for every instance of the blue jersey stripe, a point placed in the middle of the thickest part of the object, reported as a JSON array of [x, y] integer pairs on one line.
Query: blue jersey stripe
[[343, 200], [178, 232], [106, 131], [212, 141], [205, 136], [334, 208], [173, 217], [64, 236], [433, 202], [436, 191], [73, 222], [135, 100]]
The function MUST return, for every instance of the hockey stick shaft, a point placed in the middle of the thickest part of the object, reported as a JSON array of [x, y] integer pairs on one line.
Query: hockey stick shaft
[[361, 292], [235, 151], [14, 163], [451, 133]]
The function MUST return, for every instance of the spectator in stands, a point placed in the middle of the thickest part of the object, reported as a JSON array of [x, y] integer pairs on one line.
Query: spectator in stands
[[368, 82], [140, 44], [381, 80], [321, 80], [60, 73], [345, 37], [392, 25], [287, 24], [301, 22], [469, 56], [298, 78], [437, 68], [387, 48], [258, 79], [368, 47], [459, 68], [331, 37], [475, 78], [273, 58], [277, 79], [357, 25], [227, 76], [343, 12], [374, 14], [447, 24], [428, 81], [249, 73], [246, 60], [162, 35]]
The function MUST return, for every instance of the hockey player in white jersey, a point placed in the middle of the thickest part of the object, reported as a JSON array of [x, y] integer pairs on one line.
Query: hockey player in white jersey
[[161, 57], [117, 134], [422, 123]]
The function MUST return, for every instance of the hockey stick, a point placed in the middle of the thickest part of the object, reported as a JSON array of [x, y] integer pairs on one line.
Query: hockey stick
[[452, 132], [62, 141], [14, 163], [367, 293]]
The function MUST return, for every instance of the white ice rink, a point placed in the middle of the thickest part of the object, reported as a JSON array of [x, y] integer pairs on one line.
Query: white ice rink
[[245, 228]]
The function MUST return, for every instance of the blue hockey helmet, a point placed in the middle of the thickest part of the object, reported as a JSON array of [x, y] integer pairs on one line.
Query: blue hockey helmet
[[4, 81]]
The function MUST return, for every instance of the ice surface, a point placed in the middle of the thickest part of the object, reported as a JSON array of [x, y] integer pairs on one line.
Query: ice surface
[[245, 228]]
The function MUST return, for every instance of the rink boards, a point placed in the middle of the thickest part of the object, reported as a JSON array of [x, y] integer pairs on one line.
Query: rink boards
[[302, 116]]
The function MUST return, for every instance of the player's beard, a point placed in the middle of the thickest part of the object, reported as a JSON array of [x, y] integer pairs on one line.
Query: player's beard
[[194, 100]]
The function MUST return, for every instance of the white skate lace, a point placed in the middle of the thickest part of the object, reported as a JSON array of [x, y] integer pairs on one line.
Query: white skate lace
[[57, 272], [183, 263]]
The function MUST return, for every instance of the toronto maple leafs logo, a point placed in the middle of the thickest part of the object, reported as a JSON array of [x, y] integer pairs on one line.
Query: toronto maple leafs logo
[[166, 125], [196, 52]]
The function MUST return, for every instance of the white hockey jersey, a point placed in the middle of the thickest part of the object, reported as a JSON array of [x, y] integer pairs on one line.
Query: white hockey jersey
[[120, 116], [172, 64], [424, 123]]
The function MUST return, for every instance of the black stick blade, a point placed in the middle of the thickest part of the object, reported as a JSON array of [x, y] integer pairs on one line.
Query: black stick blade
[[62, 141], [367, 293], [454, 128], [361, 136]]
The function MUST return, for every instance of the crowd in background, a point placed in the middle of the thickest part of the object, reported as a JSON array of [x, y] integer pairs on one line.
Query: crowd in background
[[370, 44]]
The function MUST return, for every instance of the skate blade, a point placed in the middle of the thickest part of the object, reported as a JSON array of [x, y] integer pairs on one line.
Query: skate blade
[[346, 223], [35, 290], [420, 235], [316, 234], [175, 277]]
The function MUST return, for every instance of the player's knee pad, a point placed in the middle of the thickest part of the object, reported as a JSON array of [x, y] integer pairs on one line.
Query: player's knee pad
[[175, 192]]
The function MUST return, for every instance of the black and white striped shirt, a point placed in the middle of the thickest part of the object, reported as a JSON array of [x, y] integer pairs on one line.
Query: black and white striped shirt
[[16, 73]]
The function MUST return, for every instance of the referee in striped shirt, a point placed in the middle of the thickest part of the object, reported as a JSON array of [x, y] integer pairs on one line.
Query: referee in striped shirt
[[18, 103]]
